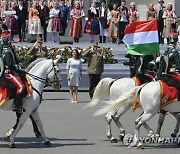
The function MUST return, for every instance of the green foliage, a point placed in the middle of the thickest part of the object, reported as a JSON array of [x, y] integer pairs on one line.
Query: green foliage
[[64, 52]]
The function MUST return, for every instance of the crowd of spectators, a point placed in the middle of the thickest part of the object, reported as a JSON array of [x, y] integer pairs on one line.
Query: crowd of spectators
[[37, 17]]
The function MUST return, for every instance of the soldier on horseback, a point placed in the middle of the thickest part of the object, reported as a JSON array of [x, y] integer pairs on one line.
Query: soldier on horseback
[[12, 70], [169, 65]]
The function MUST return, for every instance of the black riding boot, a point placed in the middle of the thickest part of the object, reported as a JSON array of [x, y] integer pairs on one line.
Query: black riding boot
[[104, 39], [17, 105], [100, 39]]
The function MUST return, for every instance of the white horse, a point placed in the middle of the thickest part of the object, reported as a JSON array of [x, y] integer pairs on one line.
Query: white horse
[[46, 70], [113, 89], [149, 98], [8, 133]]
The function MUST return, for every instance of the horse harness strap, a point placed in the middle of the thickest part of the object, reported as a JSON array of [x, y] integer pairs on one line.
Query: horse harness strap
[[40, 94]]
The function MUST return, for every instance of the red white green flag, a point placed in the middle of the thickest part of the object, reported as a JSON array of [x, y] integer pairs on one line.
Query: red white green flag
[[141, 38]]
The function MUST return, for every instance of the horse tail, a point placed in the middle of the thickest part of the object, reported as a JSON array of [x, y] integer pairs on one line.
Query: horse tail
[[127, 97], [102, 91]]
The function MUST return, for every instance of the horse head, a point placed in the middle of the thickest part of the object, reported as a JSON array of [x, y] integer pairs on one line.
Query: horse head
[[54, 78]]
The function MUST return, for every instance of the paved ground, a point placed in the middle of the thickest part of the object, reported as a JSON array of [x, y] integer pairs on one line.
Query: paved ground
[[73, 130]]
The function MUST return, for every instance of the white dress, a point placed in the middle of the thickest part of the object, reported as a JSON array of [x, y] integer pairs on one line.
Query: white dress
[[75, 68]]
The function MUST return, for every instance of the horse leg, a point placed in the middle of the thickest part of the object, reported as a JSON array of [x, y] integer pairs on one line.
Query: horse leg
[[116, 118], [10, 131], [20, 124], [162, 115], [139, 122], [176, 130], [38, 121], [35, 127], [151, 132], [108, 119]]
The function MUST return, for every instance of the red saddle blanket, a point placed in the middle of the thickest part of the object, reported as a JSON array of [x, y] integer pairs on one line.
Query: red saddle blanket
[[4, 92], [168, 94]]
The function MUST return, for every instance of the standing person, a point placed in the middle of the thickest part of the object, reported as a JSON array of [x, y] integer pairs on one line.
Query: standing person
[[133, 13], [54, 25], [95, 66], [34, 26], [74, 72], [92, 25], [76, 26], [160, 10], [64, 16], [13, 21], [103, 15], [151, 13], [123, 19], [113, 26], [169, 17], [22, 15], [43, 10]]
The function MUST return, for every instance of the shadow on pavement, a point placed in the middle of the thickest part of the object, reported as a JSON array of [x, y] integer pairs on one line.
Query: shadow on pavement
[[32, 142]]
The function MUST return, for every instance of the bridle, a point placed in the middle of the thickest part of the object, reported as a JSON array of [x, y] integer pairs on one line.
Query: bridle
[[46, 81], [56, 80]]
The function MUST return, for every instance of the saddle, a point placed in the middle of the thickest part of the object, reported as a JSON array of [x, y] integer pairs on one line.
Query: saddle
[[170, 88], [8, 90]]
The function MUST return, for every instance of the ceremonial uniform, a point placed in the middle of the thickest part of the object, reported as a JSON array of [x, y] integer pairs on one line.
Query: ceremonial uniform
[[170, 65], [12, 71], [104, 16], [170, 62], [95, 67]]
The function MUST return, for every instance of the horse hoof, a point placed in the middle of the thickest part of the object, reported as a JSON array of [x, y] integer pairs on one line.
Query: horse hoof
[[38, 135], [47, 143], [121, 137], [114, 140], [12, 145], [173, 135], [8, 134], [109, 136], [6, 137], [140, 146]]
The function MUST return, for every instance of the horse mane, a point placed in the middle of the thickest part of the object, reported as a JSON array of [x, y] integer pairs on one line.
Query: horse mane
[[33, 63], [36, 67]]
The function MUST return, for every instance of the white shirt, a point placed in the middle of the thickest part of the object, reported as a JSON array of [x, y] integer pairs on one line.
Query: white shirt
[[20, 7], [102, 12], [53, 13]]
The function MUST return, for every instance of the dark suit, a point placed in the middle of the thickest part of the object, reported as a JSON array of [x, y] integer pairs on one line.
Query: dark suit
[[44, 16], [160, 11], [64, 16], [22, 17]]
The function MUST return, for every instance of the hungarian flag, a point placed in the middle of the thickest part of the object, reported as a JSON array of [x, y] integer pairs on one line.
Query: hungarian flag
[[141, 38]]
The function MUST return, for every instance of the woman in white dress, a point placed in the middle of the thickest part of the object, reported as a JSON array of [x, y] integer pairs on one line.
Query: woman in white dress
[[74, 71]]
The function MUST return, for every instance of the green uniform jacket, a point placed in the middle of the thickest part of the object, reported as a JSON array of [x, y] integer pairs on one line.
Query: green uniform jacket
[[9, 58], [95, 61], [173, 61]]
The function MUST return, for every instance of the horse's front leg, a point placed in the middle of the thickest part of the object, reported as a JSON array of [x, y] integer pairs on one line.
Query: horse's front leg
[[35, 128], [176, 130], [20, 124], [38, 121], [162, 115]]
